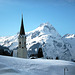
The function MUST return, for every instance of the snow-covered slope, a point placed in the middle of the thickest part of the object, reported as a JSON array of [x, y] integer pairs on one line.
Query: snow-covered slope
[[19, 66], [47, 38], [69, 40], [44, 37], [11, 42]]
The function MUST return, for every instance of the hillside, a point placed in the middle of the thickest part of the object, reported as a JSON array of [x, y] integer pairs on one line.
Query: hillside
[[69, 40]]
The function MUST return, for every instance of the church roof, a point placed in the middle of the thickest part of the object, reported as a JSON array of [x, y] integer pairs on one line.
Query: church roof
[[22, 32]]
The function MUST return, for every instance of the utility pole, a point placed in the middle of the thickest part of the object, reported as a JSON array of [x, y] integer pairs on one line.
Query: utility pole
[[65, 69]]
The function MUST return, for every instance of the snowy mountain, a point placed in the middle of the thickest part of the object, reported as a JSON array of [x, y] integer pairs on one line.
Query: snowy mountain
[[19, 66], [69, 36], [44, 37], [69, 40]]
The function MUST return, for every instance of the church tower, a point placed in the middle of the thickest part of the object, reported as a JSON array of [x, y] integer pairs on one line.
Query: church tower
[[22, 50]]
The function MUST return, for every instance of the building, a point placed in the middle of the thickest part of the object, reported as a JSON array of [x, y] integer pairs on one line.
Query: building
[[22, 50]]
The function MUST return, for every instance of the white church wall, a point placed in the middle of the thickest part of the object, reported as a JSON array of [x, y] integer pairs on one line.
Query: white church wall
[[14, 53]]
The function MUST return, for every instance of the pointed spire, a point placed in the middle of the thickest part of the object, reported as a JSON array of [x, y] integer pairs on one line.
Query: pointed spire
[[22, 32]]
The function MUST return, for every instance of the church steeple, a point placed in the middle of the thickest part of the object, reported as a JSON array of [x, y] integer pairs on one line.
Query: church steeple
[[22, 50], [22, 32]]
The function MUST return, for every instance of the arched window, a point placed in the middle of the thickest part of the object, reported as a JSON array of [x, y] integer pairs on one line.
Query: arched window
[[20, 44], [40, 53]]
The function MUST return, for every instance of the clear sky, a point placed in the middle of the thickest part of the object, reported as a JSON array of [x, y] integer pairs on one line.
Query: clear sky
[[59, 13]]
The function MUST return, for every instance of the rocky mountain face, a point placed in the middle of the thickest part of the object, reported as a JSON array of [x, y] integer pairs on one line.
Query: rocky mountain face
[[44, 39], [69, 40]]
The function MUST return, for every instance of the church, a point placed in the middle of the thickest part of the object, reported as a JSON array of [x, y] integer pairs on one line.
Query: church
[[22, 50]]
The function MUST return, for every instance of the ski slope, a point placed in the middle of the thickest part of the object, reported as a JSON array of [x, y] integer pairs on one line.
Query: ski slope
[[19, 66]]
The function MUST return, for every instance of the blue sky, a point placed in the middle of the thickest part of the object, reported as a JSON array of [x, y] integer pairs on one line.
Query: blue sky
[[59, 13]]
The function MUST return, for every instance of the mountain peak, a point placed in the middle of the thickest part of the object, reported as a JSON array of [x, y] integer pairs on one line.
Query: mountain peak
[[45, 24], [45, 27], [69, 36]]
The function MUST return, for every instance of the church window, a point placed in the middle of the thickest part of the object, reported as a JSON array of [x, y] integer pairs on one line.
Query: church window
[[19, 42]]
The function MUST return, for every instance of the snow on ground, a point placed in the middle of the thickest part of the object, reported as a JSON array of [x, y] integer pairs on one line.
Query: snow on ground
[[19, 66]]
